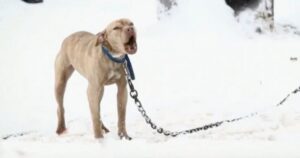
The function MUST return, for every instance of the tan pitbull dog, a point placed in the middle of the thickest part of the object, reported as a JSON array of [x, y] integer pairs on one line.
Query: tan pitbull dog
[[82, 51]]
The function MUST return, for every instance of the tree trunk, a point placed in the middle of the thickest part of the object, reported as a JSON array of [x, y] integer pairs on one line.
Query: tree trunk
[[268, 13]]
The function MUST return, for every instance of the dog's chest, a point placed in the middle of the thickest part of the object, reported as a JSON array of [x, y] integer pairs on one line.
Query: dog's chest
[[114, 73]]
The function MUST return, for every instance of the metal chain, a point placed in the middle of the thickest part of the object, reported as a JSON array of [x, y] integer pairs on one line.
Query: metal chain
[[134, 95], [17, 135]]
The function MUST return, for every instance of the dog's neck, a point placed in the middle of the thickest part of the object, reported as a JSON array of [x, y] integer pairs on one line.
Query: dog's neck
[[112, 51], [108, 54]]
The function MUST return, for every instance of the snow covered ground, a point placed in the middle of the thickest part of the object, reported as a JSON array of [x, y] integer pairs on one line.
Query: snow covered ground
[[196, 66]]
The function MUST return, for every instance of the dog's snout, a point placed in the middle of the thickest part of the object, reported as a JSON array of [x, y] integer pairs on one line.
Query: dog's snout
[[130, 30]]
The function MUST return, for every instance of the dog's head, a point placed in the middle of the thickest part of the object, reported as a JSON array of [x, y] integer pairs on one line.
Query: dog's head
[[120, 35]]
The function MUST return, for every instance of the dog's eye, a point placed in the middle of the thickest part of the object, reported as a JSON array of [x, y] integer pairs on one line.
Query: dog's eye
[[131, 24], [117, 28]]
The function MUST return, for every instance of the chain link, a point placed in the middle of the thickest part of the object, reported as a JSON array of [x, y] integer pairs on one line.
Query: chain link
[[134, 95]]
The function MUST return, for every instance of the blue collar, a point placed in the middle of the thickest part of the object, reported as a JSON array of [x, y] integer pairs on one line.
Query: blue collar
[[119, 60], [124, 59]]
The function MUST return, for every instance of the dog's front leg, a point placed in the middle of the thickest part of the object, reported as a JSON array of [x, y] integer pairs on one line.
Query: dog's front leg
[[95, 94], [122, 102]]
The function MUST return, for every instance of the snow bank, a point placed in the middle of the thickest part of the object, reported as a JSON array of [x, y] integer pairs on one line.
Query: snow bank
[[186, 148], [287, 12]]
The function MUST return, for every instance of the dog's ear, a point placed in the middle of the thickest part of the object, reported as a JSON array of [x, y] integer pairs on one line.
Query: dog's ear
[[100, 38]]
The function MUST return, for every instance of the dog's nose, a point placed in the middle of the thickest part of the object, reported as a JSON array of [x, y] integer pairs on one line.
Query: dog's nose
[[130, 30]]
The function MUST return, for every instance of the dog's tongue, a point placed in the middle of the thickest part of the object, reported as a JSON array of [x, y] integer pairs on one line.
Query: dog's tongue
[[131, 48]]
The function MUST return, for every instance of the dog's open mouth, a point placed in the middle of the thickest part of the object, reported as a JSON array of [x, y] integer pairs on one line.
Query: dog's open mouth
[[131, 46]]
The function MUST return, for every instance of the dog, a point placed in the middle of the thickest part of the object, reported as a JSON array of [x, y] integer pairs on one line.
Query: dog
[[82, 51]]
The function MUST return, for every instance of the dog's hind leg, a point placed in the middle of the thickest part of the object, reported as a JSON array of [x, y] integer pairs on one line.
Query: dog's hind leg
[[63, 71], [106, 130]]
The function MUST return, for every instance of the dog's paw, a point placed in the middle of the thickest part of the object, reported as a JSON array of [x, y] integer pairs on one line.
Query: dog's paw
[[125, 136], [61, 130], [98, 135]]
